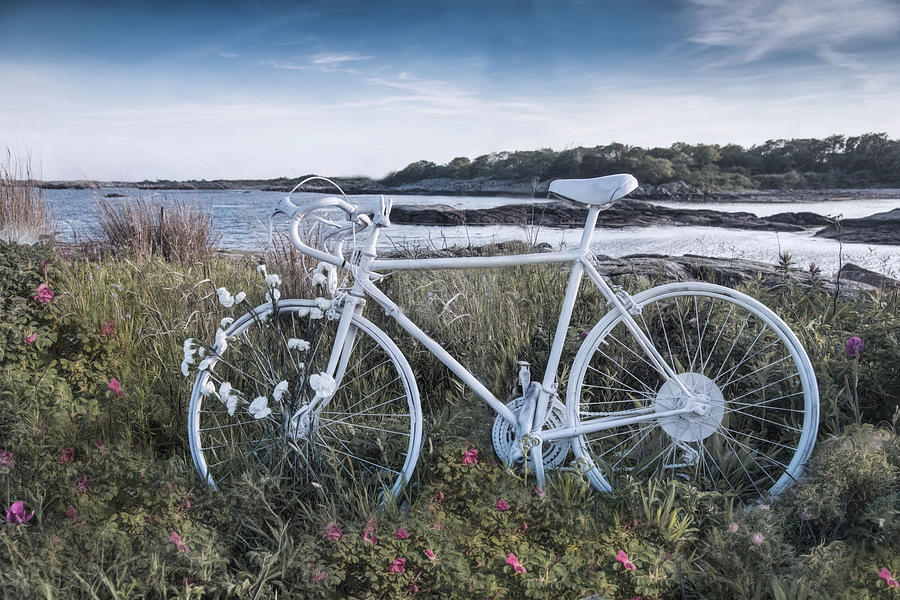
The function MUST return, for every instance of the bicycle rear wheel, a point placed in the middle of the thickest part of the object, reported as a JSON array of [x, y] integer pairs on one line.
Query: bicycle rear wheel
[[760, 415], [366, 438]]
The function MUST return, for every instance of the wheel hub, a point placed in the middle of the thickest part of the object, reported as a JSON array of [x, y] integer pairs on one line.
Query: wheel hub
[[707, 402]]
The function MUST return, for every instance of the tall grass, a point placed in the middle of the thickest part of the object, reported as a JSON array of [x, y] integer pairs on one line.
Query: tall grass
[[24, 217], [173, 231]]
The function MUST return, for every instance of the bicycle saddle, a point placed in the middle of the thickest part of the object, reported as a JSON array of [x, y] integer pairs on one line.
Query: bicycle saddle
[[599, 191]]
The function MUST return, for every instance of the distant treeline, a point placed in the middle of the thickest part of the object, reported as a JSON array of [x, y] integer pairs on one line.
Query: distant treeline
[[868, 160]]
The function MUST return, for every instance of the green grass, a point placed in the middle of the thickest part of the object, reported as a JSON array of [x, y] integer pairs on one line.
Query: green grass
[[829, 536]]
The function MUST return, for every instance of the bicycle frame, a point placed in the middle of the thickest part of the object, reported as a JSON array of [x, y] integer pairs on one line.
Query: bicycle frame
[[532, 420]]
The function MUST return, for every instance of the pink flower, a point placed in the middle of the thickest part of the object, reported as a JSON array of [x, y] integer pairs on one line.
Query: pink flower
[[115, 386], [429, 554], [44, 294], [623, 558], [733, 528], [440, 497], [398, 565], [83, 485], [369, 532], [524, 526], [512, 561], [99, 444], [176, 539], [6, 459], [470, 457], [501, 505], [757, 538], [67, 455], [72, 513], [318, 577], [108, 328], [401, 534], [332, 533], [854, 347], [29, 339], [437, 527], [539, 491], [888, 578], [15, 514]]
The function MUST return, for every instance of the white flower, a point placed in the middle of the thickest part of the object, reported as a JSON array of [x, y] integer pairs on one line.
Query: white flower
[[274, 295], [229, 397], [201, 351], [225, 299], [188, 355], [273, 280], [322, 384], [184, 367], [240, 297], [232, 404], [207, 387], [298, 344], [319, 279], [261, 268], [280, 390], [316, 313], [221, 341], [204, 364], [259, 408], [226, 322], [224, 391], [323, 303]]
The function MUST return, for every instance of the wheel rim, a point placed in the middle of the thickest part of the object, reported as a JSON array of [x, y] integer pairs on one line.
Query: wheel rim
[[760, 405], [366, 437]]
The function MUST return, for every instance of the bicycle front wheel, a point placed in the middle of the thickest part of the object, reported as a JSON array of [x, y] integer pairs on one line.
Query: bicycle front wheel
[[252, 406], [753, 386]]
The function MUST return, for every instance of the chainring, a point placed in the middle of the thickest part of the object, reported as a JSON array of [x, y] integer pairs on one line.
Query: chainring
[[503, 434]]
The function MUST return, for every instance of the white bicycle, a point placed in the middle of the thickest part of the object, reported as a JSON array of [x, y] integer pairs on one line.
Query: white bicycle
[[686, 380]]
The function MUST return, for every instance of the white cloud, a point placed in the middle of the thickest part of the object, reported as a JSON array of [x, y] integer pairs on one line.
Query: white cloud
[[751, 30], [334, 58]]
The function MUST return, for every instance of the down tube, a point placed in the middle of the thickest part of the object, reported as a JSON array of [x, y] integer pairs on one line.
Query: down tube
[[451, 363]]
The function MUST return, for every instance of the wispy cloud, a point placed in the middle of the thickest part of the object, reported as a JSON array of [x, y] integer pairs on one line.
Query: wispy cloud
[[336, 58], [753, 30], [325, 62]]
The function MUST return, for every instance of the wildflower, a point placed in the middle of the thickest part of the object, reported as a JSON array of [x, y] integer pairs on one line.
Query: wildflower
[[226, 322], [273, 295], [44, 294], [108, 328], [259, 408], [297, 344], [437, 527], [29, 339], [429, 554], [318, 577], [884, 574], [501, 505], [332, 533], [757, 538], [369, 532], [83, 485], [733, 527], [512, 561], [623, 558], [524, 526], [261, 268], [440, 497], [470, 457], [6, 459], [176, 539], [539, 491], [398, 565], [67, 455], [15, 514], [72, 513], [401, 534], [116, 387], [280, 390], [854, 347], [322, 384], [273, 280], [221, 341], [188, 348], [227, 300], [207, 387], [316, 313]]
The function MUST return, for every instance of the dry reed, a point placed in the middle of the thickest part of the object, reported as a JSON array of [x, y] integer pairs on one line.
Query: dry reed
[[24, 217], [171, 230]]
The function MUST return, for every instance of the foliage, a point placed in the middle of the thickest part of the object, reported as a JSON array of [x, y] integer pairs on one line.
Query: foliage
[[122, 465], [867, 160]]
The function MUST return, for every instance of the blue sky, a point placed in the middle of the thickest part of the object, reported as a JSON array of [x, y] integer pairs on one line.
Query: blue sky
[[178, 90]]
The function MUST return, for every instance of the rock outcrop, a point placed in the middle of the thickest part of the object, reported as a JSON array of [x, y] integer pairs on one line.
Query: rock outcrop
[[881, 228]]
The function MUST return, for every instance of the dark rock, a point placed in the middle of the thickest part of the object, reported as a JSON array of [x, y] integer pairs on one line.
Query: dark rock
[[803, 219], [881, 228], [858, 274], [565, 214], [114, 195]]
